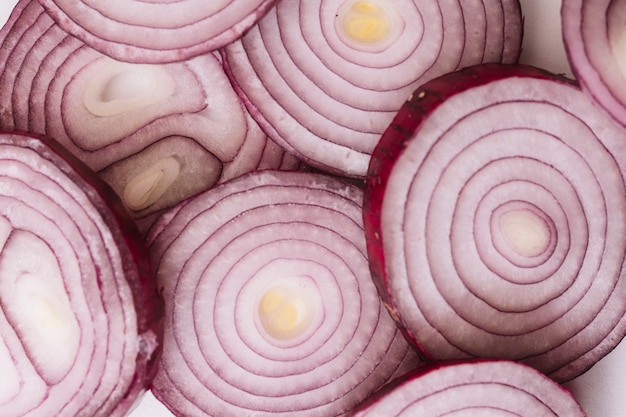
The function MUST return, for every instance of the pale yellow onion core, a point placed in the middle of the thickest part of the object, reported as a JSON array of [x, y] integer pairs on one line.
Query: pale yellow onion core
[[525, 232], [118, 87], [366, 22], [145, 188], [285, 313]]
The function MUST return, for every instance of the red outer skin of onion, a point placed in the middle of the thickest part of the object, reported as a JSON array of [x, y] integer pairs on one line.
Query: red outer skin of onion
[[416, 374], [420, 104], [135, 259], [126, 51]]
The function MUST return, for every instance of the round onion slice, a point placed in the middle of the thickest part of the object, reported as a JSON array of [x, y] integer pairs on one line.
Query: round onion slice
[[473, 389], [495, 213], [595, 36], [80, 318], [156, 31], [324, 78], [157, 134], [270, 306]]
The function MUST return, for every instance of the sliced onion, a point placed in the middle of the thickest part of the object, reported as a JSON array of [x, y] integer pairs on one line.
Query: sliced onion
[[325, 87], [269, 303], [156, 133], [495, 213], [156, 31], [473, 389], [595, 37], [80, 318]]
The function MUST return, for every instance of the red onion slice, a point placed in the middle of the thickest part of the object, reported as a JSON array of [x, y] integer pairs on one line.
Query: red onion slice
[[156, 133], [594, 35], [495, 213], [473, 389], [80, 319], [324, 78], [269, 302], [156, 31]]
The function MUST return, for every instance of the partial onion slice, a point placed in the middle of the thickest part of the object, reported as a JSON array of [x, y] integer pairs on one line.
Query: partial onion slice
[[80, 318], [156, 31], [157, 134], [324, 78], [495, 212], [594, 34], [473, 389], [270, 307]]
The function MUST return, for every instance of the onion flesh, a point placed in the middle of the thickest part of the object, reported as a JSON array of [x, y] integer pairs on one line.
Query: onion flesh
[[270, 308], [473, 389], [80, 318], [145, 32], [495, 212], [325, 78]]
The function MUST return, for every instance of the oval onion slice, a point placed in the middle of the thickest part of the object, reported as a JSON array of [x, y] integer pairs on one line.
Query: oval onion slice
[[594, 36], [157, 134], [473, 389], [324, 78], [156, 31], [496, 213], [270, 305], [80, 319]]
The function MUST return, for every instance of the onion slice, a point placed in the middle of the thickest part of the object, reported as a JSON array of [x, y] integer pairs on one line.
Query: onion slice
[[595, 37], [270, 307], [473, 389], [156, 31], [325, 78], [157, 134], [495, 212], [80, 318]]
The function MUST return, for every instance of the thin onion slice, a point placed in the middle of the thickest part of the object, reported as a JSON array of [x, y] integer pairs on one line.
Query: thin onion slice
[[156, 31], [325, 77], [270, 307], [473, 389], [495, 212], [80, 318], [157, 134], [594, 35]]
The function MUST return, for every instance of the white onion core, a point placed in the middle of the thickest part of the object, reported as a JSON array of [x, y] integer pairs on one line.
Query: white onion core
[[525, 232], [118, 87]]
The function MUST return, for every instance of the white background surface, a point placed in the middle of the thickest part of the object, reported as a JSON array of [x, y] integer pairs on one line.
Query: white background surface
[[602, 390]]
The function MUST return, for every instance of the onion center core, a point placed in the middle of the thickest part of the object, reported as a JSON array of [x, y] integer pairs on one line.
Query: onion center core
[[118, 88], [525, 232], [145, 188], [286, 311], [367, 24]]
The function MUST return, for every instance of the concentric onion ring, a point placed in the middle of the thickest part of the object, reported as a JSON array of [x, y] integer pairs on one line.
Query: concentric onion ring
[[496, 214], [146, 32], [473, 389], [270, 306], [80, 320], [594, 36], [156, 133], [324, 78]]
